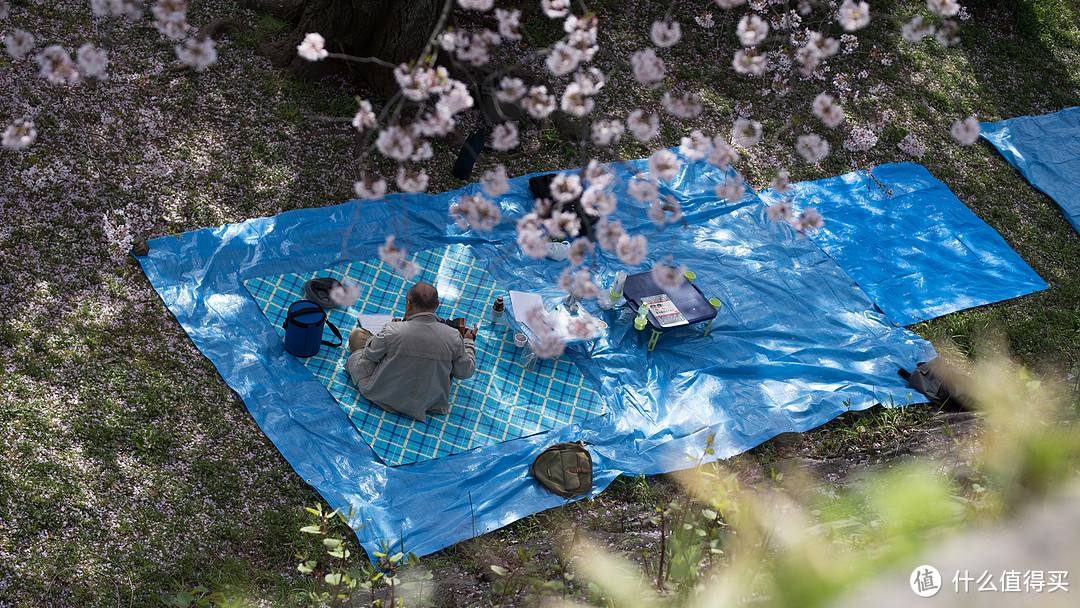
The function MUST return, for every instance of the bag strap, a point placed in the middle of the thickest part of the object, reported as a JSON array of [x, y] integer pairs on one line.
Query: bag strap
[[291, 317], [336, 333]]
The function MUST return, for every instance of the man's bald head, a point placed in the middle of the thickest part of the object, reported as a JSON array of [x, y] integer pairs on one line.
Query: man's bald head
[[424, 297]]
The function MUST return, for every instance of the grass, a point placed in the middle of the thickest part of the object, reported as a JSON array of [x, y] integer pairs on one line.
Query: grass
[[129, 470]]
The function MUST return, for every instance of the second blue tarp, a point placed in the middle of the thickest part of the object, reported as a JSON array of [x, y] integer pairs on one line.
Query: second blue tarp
[[1046, 150]]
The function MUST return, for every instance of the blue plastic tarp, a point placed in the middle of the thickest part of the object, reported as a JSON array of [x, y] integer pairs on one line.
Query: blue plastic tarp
[[795, 344], [1046, 150], [913, 247]]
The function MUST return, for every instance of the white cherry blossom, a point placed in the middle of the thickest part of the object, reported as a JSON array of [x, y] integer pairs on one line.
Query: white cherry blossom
[[648, 68], [642, 189], [538, 103], [198, 54], [665, 34], [365, 116], [92, 61], [781, 182], [722, 154], [854, 16], [667, 276], [368, 188], [555, 9], [476, 5], [943, 8], [916, 29], [745, 132], [825, 107], [748, 61], [494, 181], [732, 190], [966, 131], [663, 164], [396, 143], [606, 132], [631, 250], [57, 66], [811, 147], [695, 147], [505, 136], [19, 135], [18, 43], [809, 219], [643, 127], [509, 23], [751, 30], [412, 180], [565, 187], [608, 232], [313, 47], [345, 294]]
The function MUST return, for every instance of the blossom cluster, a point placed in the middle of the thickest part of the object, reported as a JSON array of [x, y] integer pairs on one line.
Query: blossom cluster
[[91, 61]]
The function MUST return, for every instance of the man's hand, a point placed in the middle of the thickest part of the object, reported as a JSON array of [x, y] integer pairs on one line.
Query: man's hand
[[470, 334]]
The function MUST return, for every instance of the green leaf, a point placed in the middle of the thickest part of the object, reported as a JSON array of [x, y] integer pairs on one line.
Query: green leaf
[[556, 585], [332, 542], [710, 451], [708, 513], [315, 511], [312, 529], [306, 567], [334, 578], [397, 558], [499, 570]]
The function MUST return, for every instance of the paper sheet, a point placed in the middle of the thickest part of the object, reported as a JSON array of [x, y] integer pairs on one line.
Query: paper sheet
[[522, 303], [374, 323]]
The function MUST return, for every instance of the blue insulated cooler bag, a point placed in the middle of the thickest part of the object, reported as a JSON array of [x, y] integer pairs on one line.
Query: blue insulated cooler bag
[[304, 329]]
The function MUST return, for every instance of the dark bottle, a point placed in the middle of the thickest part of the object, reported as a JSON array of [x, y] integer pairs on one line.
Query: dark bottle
[[497, 311]]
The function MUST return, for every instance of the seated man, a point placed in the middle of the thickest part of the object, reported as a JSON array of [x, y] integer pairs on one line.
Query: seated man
[[408, 366]]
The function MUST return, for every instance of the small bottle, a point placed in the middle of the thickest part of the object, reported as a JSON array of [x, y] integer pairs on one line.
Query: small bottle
[[641, 320], [498, 311]]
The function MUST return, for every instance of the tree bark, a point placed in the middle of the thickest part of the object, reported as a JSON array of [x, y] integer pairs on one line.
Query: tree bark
[[392, 30]]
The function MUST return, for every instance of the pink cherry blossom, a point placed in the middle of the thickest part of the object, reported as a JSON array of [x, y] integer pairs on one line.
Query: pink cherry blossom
[[18, 43], [663, 164], [854, 16], [313, 47], [643, 127], [966, 131], [368, 188], [631, 250], [665, 34], [19, 135], [495, 182], [648, 68]]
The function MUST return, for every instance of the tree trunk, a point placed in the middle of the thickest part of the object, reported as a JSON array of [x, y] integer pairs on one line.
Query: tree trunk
[[392, 30]]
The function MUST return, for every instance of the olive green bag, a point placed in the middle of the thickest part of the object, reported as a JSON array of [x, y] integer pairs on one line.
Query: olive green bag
[[565, 469]]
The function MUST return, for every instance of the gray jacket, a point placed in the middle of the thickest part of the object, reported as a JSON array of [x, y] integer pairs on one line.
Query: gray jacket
[[407, 367]]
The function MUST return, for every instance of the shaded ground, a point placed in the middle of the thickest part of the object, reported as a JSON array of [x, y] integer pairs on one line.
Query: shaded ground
[[619, 519]]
